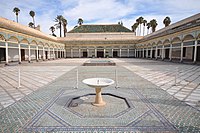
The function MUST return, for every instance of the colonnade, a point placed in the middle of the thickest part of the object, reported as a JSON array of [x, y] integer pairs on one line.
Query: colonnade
[[18, 51], [181, 50], [100, 52]]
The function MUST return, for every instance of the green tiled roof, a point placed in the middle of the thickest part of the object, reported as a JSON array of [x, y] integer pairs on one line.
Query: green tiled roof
[[99, 28]]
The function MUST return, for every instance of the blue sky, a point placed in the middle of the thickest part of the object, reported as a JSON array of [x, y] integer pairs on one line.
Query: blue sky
[[98, 11]]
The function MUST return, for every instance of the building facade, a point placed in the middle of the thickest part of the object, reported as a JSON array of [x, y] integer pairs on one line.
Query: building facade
[[20, 43], [177, 42], [100, 41]]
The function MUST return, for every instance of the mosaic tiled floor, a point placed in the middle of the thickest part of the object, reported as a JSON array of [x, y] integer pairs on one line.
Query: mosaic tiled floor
[[137, 114], [136, 106]]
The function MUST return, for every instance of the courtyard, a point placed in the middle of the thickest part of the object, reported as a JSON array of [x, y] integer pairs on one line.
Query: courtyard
[[148, 96]]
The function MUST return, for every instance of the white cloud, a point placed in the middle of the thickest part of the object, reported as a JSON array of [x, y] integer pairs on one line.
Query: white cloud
[[96, 11], [101, 11]]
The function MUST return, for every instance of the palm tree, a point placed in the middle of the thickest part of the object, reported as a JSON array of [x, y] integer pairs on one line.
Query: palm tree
[[52, 29], [32, 14], [59, 24], [140, 21], [144, 24], [167, 21], [153, 24], [148, 27], [64, 23], [137, 21], [31, 24], [80, 21], [16, 11], [134, 27]]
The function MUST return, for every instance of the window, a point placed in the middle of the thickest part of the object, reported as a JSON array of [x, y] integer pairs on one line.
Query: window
[[184, 51], [158, 54]]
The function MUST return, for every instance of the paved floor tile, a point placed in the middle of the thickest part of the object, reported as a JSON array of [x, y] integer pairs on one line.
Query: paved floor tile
[[48, 102]]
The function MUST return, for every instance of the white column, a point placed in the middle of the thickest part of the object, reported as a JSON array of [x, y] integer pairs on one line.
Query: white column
[[6, 43], [120, 52], [95, 52], [19, 53], [49, 54], [151, 52], [112, 52], [128, 52], [143, 53], [156, 52], [135, 53], [181, 52], [57, 53], [147, 52], [170, 52], [139, 52], [64, 53], [53, 54], [87, 52], [195, 50], [163, 52], [43, 53], [79, 53], [29, 53], [60, 53], [71, 53], [104, 52], [37, 53]]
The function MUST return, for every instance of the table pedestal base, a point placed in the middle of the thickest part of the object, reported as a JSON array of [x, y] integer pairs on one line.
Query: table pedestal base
[[98, 99]]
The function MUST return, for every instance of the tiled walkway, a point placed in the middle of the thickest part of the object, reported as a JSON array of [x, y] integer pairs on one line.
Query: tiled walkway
[[138, 105], [180, 80], [32, 77]]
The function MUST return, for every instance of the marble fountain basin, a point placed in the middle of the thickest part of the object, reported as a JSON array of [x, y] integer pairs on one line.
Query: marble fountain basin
[[98, 83]]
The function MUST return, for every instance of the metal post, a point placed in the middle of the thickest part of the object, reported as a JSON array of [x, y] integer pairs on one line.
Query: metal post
[[176, 75], [76, 79], [19, 83], [116, 80]]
